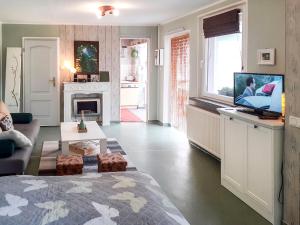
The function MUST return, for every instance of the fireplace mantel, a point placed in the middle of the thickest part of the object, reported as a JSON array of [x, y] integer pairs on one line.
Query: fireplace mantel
[[94, 87], [71, 88]]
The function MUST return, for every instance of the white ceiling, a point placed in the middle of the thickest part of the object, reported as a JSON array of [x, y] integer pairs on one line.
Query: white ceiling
[[132, 12]]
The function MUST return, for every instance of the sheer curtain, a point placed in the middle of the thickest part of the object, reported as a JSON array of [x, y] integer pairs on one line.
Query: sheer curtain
[[180, 63]]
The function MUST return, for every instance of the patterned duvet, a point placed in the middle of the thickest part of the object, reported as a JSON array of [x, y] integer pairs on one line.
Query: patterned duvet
[[126, 198]]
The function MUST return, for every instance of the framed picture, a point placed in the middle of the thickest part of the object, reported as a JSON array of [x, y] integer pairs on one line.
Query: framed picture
[[86, 57], [13, 79], [95, 78], [80, 78], [266, 56]]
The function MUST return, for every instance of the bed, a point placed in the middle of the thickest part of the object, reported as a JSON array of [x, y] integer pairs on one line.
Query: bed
[[125, 198]]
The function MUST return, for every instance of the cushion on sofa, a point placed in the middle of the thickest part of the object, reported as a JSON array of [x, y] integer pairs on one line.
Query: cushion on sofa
[[6, 123], [5, 117], [7, 148], [17, 163], [30, 130], [20, 139], [4, 108], [21, 118]]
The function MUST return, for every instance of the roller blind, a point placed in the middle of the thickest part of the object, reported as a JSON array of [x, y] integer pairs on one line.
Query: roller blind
[[222, 24]]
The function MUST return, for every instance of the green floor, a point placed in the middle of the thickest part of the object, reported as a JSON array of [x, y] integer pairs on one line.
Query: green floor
[[189, 177]]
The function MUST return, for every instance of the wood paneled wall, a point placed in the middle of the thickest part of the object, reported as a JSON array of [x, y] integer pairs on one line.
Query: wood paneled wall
[[292, 135], [109, 56]]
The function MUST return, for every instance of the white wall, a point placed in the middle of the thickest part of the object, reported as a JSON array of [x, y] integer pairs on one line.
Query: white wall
[[266, 29], [13, 33]]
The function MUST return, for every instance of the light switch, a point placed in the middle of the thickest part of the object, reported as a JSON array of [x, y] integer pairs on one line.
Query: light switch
[[294, 121]]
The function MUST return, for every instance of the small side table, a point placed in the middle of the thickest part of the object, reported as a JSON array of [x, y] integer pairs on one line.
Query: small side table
[[69, 134]]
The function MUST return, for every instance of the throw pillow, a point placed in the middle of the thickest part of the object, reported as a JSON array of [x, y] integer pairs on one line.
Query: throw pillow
[[6, 123], [3, 108], [20, 139], [2, 115], [268, 89]]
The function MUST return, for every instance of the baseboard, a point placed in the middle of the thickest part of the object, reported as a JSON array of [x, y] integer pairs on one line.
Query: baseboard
[[115, 121], [153, 122], [284, 223], [159, 123], [203, 150]]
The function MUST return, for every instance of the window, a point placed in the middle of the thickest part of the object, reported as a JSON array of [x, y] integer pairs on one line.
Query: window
[[223, 56], [223, 59]]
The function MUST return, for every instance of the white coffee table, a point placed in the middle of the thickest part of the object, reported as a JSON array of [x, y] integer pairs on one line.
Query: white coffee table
[[69, 134]]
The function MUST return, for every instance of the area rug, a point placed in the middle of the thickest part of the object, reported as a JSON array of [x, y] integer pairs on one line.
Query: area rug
[[52, 148], [128, 116]]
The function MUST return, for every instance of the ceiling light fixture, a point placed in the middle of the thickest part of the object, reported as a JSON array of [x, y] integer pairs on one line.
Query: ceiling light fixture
[[107, 10]]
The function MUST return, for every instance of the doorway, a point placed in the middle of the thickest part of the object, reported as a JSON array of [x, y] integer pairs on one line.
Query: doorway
[[41, 79], [133, 79]]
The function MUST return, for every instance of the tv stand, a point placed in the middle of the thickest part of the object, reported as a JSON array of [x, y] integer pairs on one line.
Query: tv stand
[[247, 140], [259, 113]]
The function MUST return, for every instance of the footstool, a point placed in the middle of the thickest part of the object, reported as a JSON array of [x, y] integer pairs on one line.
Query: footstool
[[69, 165], [111, 162]]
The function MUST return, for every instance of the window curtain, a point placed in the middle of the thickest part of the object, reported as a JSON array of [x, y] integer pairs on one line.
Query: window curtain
[[222, 24], [180, 63]]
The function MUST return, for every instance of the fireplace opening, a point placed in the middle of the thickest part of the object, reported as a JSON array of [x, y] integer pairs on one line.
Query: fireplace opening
[[90, 107]]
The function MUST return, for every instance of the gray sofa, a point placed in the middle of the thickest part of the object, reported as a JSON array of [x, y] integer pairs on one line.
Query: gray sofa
[[18, 161]]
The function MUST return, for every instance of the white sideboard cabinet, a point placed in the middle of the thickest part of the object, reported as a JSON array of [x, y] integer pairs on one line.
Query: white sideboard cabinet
[[203, 129], [251, 161]]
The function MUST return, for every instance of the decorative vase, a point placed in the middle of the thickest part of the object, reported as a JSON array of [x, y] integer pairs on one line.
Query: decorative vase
[[81, 125]]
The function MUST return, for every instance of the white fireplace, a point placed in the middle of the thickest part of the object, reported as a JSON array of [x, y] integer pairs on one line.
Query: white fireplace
[[93, 98]]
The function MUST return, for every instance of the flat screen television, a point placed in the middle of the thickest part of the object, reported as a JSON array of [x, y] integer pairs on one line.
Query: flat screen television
[[261, 92]]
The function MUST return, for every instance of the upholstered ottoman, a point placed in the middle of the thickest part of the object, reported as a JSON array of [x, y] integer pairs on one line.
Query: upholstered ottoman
[[111, 162], [68, 165]]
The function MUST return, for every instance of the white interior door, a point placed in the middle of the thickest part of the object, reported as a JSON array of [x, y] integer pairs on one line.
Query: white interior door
[[41, 76]]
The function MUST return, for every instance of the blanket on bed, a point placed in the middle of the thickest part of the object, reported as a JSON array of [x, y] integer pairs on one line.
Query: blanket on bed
[[125, 198]]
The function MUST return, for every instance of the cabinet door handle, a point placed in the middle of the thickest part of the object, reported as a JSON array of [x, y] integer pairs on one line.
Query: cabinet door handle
[[255, 126], [230, 118]]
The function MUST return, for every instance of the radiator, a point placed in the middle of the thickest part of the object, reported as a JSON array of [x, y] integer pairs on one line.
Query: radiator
[[203, 129]]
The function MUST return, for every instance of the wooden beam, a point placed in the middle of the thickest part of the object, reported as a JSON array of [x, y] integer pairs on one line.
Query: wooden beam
[[292, 135]]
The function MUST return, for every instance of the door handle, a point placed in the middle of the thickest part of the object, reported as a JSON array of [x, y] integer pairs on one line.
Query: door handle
[[53, 81]]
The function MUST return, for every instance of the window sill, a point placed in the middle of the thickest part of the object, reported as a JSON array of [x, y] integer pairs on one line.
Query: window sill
[[208, 104]]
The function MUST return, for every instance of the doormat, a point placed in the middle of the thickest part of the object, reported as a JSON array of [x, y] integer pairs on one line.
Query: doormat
[[128, 116]]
